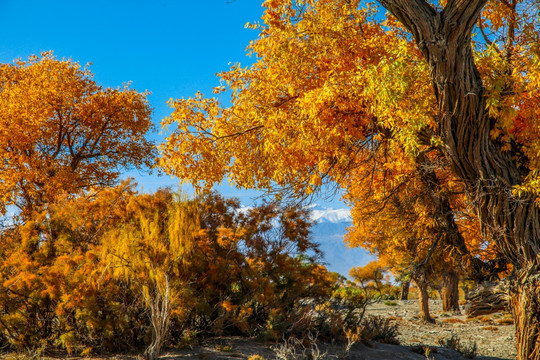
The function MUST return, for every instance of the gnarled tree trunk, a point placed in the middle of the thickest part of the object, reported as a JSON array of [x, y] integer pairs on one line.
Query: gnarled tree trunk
[[444, 38], [487, 298], [451, 238], [525, 305]]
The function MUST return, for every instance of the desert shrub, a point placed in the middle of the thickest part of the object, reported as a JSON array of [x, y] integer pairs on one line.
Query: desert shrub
[[72, 305], [273, 276], [452, 342], [299, 349], [380, 329], [330, 317], [224, 348], [469, 349], [256, 357], [83, 302], [186, 339]]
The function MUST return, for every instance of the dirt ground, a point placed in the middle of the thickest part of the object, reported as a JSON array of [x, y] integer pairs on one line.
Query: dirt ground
[[493, 335]]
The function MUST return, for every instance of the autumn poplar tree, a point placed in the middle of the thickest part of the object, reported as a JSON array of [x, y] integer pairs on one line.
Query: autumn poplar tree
[[61, 136], [414, 216], [330, 78], [61, 132], [370, 276]]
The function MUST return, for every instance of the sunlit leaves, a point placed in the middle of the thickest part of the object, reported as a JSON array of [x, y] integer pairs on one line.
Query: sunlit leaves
[[60, 131], [299, 113]]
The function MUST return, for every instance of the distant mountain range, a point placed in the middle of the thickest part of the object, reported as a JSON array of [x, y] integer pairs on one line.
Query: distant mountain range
[[328, 230]]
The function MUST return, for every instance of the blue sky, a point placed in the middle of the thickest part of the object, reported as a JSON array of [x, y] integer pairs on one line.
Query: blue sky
[[171, 48]]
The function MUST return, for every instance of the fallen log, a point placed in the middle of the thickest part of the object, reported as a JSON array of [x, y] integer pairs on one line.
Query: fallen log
[[488, 298]]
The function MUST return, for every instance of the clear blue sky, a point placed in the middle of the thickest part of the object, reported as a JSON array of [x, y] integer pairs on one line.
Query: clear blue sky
[[172, 48]]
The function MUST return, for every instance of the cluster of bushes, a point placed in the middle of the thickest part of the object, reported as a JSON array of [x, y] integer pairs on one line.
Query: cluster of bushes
[[111, 270]]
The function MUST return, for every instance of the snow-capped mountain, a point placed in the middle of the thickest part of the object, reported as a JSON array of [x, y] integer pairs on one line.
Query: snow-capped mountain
[[329, 228], [330, 215]]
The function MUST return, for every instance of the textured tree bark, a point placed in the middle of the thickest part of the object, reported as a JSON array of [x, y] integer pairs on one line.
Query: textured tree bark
[[450, 292], [159, 302], [404, 292], [444, 38], [525, 304], [423, 296]]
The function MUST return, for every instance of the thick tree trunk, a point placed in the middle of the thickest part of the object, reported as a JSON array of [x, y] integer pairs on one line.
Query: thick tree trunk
[[423, 297], [404, 292], [525, 304], [450, 292], [490, 174]]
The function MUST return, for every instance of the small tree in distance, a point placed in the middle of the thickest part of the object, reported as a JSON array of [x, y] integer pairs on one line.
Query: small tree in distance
[[369, 277]]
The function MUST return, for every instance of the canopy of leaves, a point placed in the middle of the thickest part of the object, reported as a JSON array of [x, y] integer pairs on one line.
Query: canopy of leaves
[[329, 82], [305, 108], [62, 132]]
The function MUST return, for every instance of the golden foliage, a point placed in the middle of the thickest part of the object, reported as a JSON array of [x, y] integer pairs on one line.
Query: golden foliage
[[62, 132]]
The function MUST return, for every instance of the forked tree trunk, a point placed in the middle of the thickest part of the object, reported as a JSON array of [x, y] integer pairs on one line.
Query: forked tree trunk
[[450, 292], [404, 292], [490, 174]]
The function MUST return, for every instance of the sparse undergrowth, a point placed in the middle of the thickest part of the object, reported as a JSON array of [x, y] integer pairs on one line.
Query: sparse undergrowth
[[380, 329], [468, 349]]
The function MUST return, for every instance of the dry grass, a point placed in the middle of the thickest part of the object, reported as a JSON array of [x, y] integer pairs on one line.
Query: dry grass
[[507, 319], [480, 319], [485, 319], [453, 321]]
